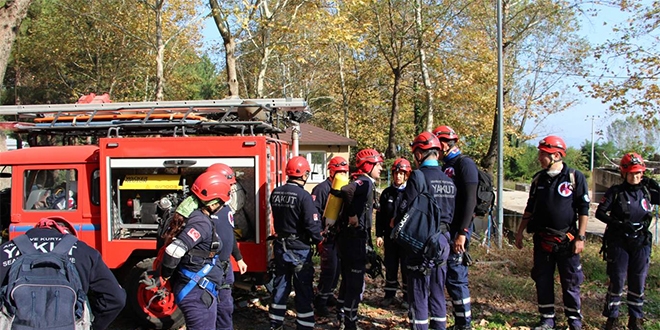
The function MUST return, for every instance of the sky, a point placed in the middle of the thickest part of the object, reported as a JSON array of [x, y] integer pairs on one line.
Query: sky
[[574, 124]]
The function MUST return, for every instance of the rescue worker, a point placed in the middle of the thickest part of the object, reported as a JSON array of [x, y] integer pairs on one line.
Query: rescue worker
[[327, 250], [297, 227], [463, 171], [223, 220], [193, 254], [354, 226], [95, 276], [426, 283], [385, 215], [627, 211], [556, 212]]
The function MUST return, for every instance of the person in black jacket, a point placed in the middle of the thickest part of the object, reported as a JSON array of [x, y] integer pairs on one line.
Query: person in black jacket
[[108, 297], [385, 215], [557, 213], [627, 209], [328, 251], [463, 171], [354, 225], [426, 283], [297, 225], [192, 252]]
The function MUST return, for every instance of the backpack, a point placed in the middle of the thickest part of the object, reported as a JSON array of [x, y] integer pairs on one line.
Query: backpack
[[485, 193], [44, 290], [420, 232]]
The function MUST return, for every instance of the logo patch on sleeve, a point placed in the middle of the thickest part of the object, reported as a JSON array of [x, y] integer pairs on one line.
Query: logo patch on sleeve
[[230, 217], [316, 217], [194, 234], [314, 197], [358, 182]]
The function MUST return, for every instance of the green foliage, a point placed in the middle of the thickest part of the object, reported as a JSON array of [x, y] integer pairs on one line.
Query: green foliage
[[600, 148]]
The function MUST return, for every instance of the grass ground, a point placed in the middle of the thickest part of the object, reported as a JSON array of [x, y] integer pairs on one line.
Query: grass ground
[[503, 295]]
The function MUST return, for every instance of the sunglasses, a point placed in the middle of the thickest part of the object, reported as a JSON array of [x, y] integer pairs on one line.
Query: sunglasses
[[339, 164]]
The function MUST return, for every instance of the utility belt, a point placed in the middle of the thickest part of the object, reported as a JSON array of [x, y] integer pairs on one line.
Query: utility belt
[[555, 241], [630, 236], [290, 255], [198, 279]]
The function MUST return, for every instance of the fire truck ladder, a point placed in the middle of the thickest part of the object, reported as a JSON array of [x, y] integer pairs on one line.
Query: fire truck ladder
[[168, 118]]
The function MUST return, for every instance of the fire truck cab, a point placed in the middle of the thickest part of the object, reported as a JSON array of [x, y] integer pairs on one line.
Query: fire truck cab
[[136, 166]]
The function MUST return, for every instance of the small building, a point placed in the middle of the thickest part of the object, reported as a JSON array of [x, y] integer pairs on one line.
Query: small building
[[319, 146]]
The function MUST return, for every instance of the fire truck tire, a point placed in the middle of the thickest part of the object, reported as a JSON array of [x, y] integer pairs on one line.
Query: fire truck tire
[[152, 312]]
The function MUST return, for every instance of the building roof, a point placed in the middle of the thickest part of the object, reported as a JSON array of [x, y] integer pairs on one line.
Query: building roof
[[312, 135]]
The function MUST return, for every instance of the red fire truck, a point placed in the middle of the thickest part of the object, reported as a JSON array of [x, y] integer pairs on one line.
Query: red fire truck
[[119, 169]]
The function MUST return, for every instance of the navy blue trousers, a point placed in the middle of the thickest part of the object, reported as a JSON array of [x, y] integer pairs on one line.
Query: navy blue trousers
[[329, 277], [225, 308], [457, 285], [353, 254], [428, 306], [395, 258], [626, 264], [198, 315], [286, 276], [570, 276]]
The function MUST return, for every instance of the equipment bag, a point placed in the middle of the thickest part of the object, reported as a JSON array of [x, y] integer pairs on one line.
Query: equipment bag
[[485, 193], [556, 241], [419, 230], [44, 290]]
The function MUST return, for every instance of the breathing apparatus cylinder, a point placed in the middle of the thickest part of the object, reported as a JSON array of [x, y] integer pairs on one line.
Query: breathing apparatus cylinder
[[333, 206]]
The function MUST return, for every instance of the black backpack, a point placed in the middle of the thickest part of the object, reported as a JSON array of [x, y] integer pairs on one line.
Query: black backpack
[[419, 231], [485, 193], [44, 290]]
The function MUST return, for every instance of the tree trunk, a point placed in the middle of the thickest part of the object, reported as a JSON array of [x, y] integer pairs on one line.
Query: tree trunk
[[160, 57], [424, 66], [394, 120], [265, 55], [11, 15], [230, 48], [344, 92]]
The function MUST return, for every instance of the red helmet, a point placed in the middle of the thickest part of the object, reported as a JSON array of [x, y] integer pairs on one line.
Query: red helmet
[[425, 141], [445, 133], [58, 223], [401, 165], [632, 162], [297, 167], [552, 144], [223, 169], [210, 186], [366, 157], [337, 164]]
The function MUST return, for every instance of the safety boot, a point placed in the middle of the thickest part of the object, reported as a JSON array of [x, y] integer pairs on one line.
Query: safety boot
[[543, 325], [612, 323], [321, 311], [332, 301], [635, 323], [386, 302], [461, 327]]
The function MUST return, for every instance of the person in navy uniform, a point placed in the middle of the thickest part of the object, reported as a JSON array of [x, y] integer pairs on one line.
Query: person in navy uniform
[[297, 225], [97, 280], [223, 220], [192, 252], [627, 211], [328, 251], [463, 171], [557, 212], [354, 226], [385, 215], [426, 286]]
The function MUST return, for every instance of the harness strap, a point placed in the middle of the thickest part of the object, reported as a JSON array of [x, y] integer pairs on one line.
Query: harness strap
[[198, 279]]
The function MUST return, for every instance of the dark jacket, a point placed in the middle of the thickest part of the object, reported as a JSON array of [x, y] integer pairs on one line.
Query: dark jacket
[[97, 280]]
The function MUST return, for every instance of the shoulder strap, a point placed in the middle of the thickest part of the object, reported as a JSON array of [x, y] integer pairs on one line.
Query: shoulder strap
[[571, 176], [65, 245], [24, 244]]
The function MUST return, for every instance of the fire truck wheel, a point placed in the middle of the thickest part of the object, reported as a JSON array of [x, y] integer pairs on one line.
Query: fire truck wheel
[[149, 306]]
